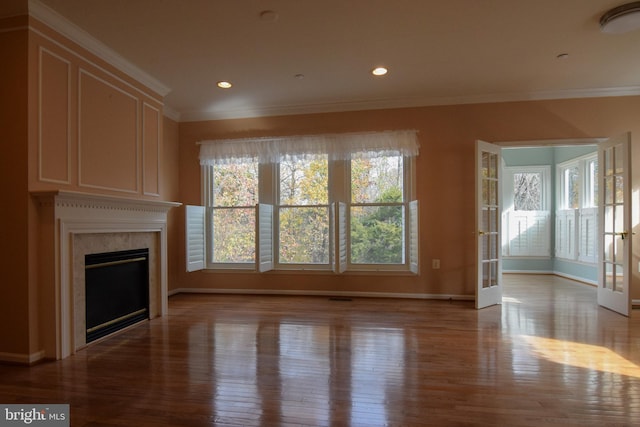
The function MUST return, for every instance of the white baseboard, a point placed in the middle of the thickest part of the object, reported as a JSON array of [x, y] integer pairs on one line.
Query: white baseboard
[[576, 278], [22, 359], [323, 293], [555, 273]]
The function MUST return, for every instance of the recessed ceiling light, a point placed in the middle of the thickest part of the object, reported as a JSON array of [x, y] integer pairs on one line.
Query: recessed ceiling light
[[379, 71], [563, 56], [224, 84]]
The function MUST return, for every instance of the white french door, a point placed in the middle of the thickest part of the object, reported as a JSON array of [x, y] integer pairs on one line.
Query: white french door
[[488, 218], [614, 259]]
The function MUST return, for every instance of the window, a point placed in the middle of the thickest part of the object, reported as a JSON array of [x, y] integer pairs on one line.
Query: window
[[335, 202], [527, 218], [376, 211], [570, 192], [576, 218], [591, 182], [303, 211], [233, 197], [527, 191]]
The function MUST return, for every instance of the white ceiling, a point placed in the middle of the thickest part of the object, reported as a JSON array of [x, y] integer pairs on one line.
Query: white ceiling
[[437, 51]]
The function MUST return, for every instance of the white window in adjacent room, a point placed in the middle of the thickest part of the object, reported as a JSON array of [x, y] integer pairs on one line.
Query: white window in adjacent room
[[577, 216], [527, 217]]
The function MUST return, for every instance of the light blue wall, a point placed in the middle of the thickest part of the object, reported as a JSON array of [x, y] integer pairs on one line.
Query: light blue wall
[[562, 154], [552, 156], [587, 272], [537, 265], [528, 156]]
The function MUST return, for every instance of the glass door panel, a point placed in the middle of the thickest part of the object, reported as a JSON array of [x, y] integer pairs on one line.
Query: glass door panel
[[615, 225], [488, 213]]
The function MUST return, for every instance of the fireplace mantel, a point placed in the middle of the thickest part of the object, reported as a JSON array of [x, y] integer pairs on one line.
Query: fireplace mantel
[[63, 217], [77, 200]]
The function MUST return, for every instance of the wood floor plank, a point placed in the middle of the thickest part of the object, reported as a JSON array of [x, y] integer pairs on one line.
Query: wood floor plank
[[547, 356]]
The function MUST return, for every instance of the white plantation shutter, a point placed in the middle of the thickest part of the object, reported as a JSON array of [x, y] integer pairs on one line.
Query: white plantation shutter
[[264, 237], [195, 239], [342, 237], [333, 253], [414, 236], [338, 229], [528, 233], [566, 225], [588, 243]]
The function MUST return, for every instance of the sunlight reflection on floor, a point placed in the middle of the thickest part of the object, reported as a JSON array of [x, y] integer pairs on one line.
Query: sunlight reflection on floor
[[582, 355]]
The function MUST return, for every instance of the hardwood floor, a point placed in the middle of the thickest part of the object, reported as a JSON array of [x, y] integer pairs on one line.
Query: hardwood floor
[[548, 356]]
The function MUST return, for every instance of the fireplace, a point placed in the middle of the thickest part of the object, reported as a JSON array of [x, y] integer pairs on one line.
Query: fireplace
[[74, 225], [116, 291]]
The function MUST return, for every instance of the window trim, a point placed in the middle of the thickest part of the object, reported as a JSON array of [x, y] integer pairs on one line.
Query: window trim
[[208, 201], [408, 193]]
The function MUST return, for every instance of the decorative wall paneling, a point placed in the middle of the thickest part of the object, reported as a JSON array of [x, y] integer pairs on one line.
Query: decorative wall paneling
[[97, 130], [151, 121], [54, 135], [108, 142]]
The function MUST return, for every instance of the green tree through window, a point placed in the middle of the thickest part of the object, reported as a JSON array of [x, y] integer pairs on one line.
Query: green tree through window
[[377, 210]]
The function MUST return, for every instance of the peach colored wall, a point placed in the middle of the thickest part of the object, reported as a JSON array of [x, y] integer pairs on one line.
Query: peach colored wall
[[170, 183], [445, 174], [14, 232]]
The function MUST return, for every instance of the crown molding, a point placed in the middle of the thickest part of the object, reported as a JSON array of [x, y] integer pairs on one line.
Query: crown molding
[[171, 113], [380, 104], [76, 34]]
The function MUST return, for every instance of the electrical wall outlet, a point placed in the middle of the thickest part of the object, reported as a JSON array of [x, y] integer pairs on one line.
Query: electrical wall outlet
[[435, 264]]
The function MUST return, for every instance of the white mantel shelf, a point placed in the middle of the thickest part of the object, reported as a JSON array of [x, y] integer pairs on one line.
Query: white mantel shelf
[[99, 201], [63, 215]]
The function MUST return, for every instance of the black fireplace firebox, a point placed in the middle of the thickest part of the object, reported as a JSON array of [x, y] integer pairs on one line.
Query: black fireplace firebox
[[116, 291]]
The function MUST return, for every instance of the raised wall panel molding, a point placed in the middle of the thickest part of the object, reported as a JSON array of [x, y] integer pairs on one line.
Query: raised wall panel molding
[[151, 150], [129, 156], [49, 124], [63, 26]]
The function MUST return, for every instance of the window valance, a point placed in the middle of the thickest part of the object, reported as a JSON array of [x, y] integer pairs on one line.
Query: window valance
[[336, 146]]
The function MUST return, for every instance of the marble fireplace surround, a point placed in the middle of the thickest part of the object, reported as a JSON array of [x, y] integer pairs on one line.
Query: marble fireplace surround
[[75, 224]]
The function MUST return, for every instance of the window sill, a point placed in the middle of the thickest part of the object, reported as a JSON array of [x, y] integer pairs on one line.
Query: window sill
[[309, 272]]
